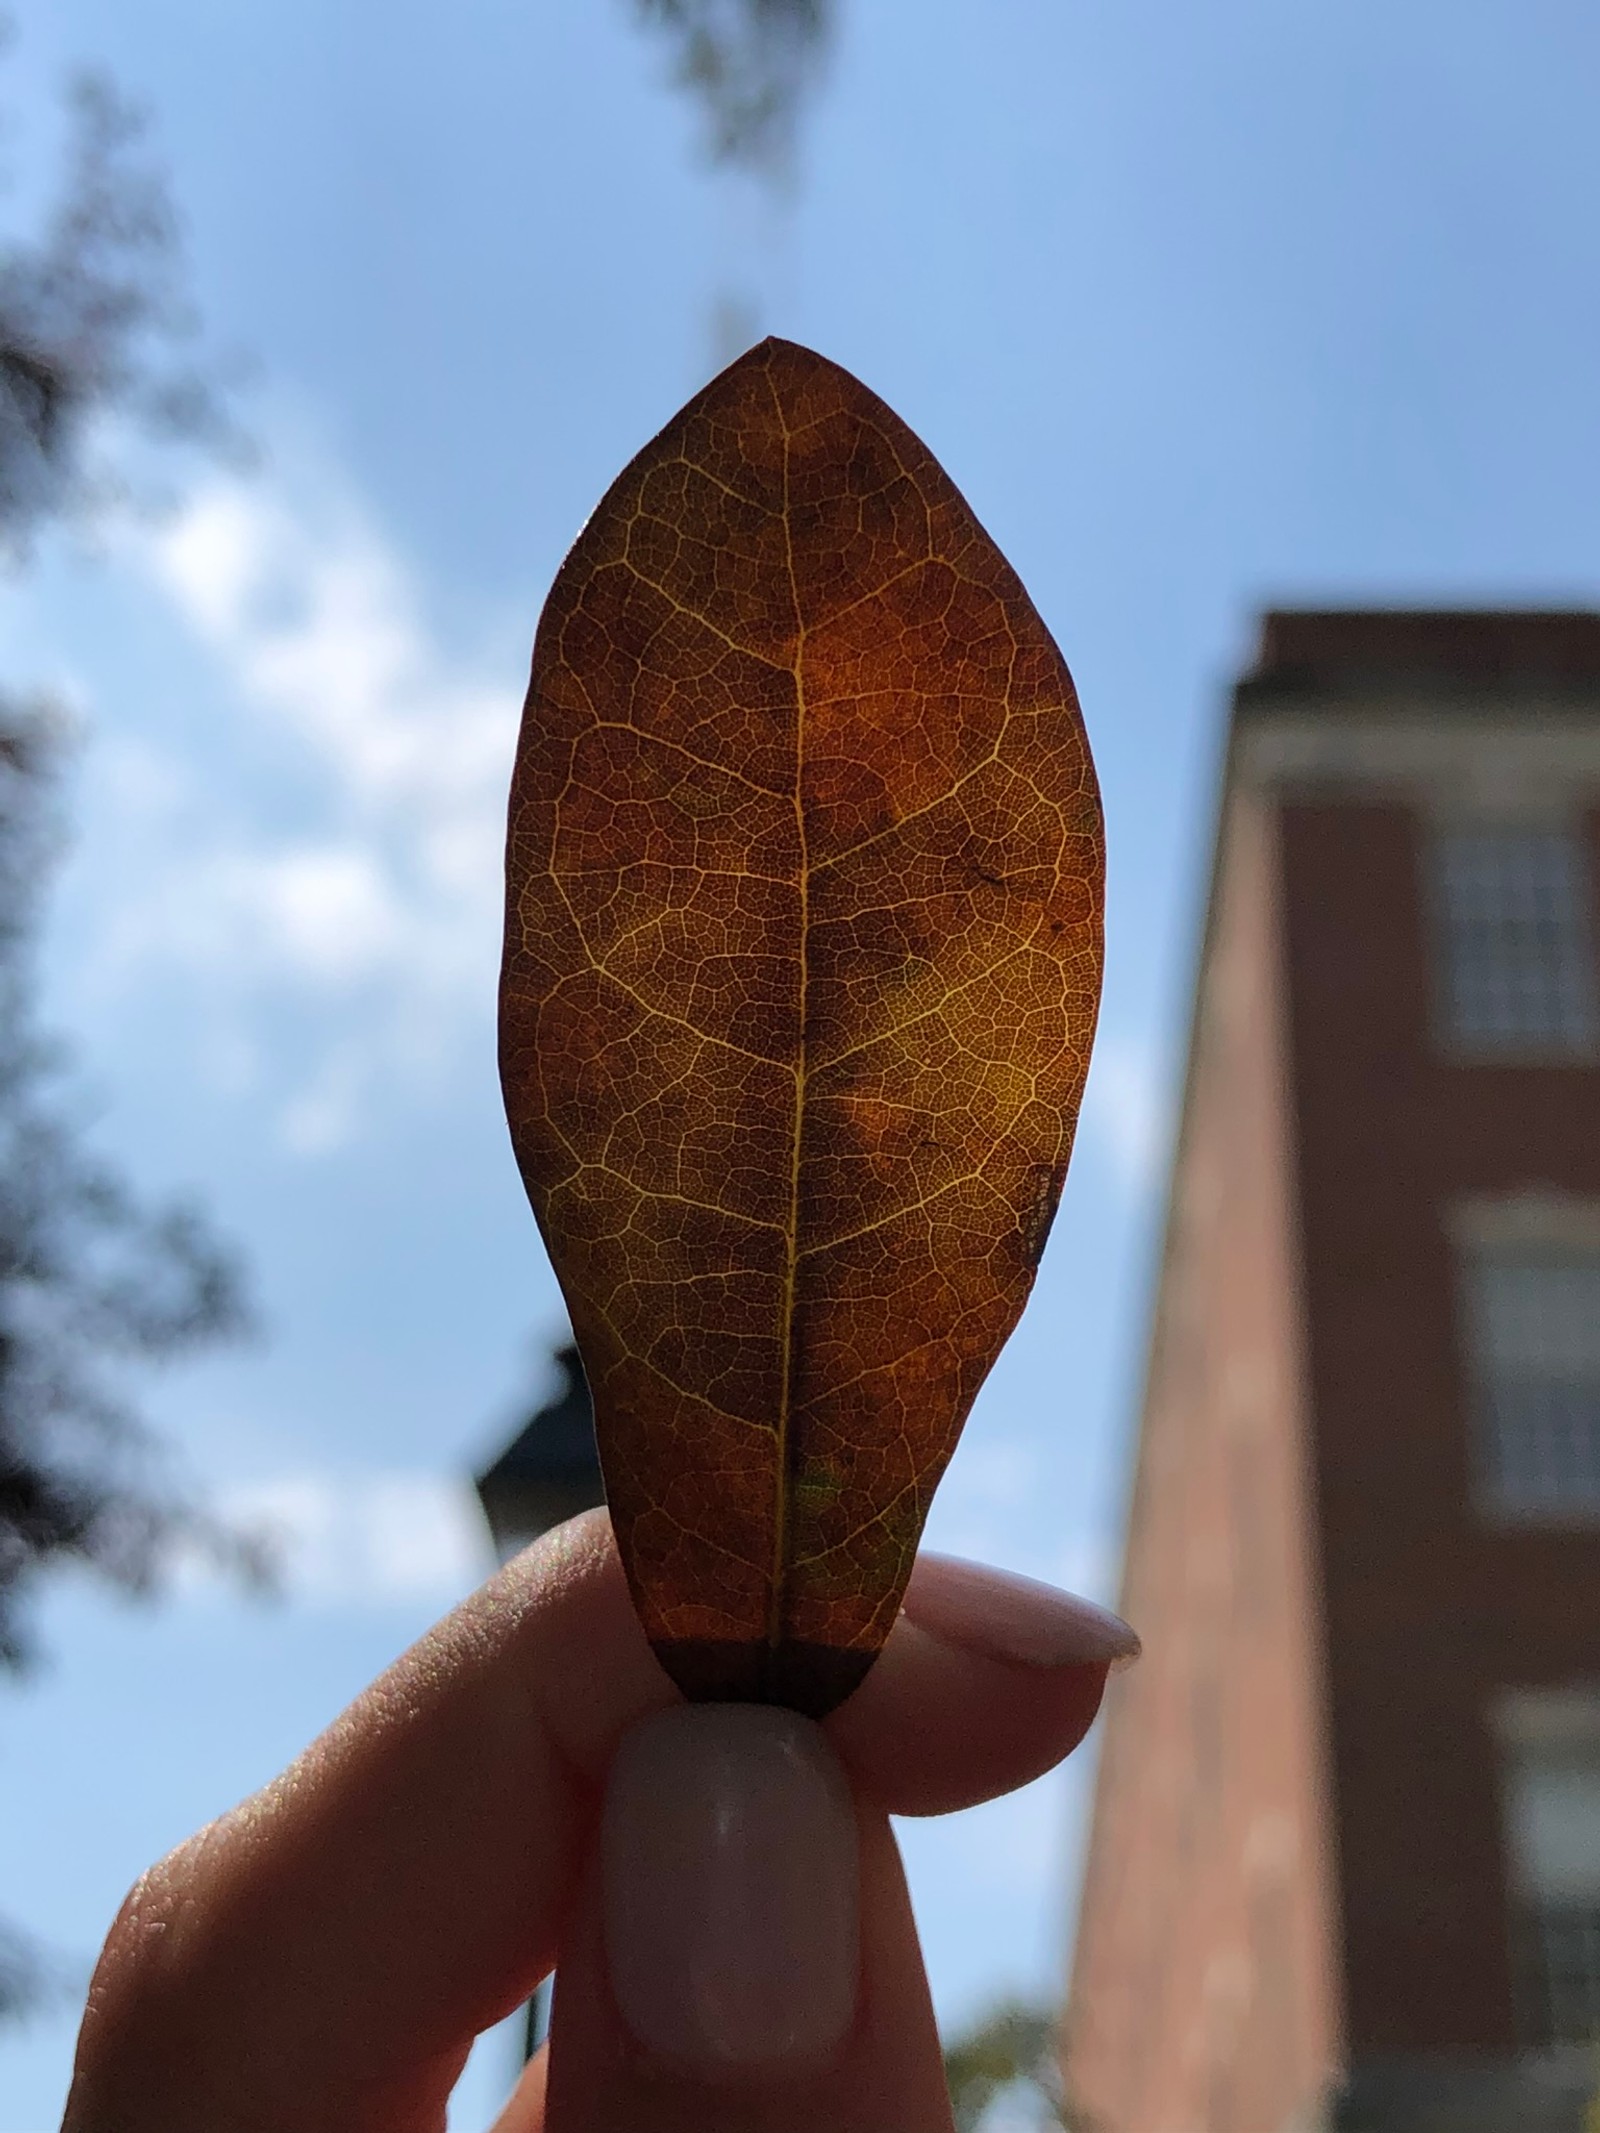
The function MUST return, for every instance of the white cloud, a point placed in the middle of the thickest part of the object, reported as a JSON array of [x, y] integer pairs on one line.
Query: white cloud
[[363, 1539], [331, 908], [320, 624], [377, 908]]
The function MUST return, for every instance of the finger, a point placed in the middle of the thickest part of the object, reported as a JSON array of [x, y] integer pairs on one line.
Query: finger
[[754, 1966], [987, 1682], [793, 2000], [324, 1955]]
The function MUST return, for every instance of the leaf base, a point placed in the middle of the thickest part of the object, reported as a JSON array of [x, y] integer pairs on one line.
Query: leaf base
[[813, 1679]]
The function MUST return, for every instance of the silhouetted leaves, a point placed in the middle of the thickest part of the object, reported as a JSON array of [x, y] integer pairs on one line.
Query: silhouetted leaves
[[751, 64], [1010, 2051], [91, 1279], [802, 966], [92, 314], [88, 1275]]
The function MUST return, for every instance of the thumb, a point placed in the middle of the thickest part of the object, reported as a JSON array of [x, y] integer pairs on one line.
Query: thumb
[[742, 1953]]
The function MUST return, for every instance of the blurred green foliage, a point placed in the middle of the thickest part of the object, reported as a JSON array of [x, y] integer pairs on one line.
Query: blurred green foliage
[[750, 65], [1012, 2049]]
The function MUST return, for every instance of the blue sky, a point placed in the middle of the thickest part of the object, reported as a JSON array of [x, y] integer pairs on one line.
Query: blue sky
[[1201, 307]]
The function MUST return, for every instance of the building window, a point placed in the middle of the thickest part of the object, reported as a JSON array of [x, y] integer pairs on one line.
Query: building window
[[1533, 1326], [1552, 1798], [1516, 940]]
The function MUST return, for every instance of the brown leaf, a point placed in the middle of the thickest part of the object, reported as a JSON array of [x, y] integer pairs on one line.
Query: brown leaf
[[802, 962]]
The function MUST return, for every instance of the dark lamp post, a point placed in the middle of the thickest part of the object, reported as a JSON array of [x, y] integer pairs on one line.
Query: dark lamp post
[[549, 1472]]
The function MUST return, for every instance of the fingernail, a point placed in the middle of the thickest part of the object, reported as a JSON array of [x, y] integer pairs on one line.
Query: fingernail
[[1014, 1619], [731, 1890]]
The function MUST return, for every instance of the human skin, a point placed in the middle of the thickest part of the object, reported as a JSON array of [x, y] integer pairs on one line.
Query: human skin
[[320, 1959]]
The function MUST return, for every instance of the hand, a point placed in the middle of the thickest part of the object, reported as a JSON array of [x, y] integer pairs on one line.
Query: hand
[[524, 1789]]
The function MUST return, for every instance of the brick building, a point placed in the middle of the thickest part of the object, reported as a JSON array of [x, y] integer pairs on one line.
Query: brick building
[[1345, 1863]]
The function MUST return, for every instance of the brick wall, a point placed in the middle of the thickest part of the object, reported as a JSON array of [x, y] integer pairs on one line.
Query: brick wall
[[1202, 1993]]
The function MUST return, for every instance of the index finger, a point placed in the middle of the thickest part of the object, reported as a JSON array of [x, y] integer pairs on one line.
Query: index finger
[[345, 1934]]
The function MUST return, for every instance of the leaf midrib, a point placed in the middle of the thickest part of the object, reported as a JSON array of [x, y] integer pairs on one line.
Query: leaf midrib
[[780, 1521]]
